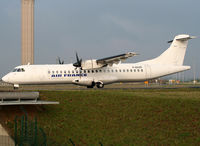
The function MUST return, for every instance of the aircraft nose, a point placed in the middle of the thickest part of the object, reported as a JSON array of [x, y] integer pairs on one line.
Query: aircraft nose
[[5, 78]]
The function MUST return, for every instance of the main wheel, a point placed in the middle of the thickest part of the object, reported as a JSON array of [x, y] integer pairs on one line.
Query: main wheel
[[99, 85]]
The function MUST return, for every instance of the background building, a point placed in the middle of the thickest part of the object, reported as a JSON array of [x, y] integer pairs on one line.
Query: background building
[[27, 28]]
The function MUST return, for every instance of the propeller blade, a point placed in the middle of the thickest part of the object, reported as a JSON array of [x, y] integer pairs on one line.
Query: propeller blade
[[79, 61], [59, 61]]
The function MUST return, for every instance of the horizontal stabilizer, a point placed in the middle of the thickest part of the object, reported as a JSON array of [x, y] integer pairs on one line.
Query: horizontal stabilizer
[[186, 38], [170, 41], [183, 38]]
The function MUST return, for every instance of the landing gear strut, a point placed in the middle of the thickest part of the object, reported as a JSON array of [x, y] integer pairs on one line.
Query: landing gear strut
[[91, 86]]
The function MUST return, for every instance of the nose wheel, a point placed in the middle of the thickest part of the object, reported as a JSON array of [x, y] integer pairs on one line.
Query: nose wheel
[[16, 86]]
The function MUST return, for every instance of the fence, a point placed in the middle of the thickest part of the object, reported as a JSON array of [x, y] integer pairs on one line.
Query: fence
[[28, 133]]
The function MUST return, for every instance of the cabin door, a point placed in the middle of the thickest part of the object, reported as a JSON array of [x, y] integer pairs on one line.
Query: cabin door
[[148, 71]]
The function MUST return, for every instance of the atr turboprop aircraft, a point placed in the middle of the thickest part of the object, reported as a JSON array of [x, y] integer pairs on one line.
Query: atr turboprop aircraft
[[104, 71]]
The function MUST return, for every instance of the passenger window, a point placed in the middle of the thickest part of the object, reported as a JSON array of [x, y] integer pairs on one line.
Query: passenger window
[[84, 71], [116, 70], [88, 71], [80, 71], [69, 71], [49, 72], [127, 70], [92, 71], [65, 72], [108, 70], [57, 72], [141, 70], [72, 71], [112, 70], [130, 70], [100, 70], [53, 72], [76, 71], [123, 70], [120, 70], [96, 71], [138, 70], [60, 71], [134, 70]]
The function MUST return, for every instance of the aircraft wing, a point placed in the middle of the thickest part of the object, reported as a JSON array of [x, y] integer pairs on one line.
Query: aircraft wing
[[115, 59]]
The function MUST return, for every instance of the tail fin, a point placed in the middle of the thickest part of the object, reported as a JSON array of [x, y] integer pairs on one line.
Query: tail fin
[[175, 54]]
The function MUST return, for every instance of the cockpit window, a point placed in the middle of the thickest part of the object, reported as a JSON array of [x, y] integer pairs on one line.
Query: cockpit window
[[15, 70], [19, 70]]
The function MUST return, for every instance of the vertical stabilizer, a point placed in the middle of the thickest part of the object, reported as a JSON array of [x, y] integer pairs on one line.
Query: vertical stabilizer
[[175, 54]]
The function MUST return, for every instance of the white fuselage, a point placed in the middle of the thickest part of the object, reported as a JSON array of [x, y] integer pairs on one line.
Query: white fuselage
[[68, 74]]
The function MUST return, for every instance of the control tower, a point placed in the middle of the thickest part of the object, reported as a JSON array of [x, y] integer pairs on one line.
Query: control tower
[[27, 32]]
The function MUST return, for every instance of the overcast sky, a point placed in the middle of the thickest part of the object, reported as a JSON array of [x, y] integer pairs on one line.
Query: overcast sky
[[97, 29]]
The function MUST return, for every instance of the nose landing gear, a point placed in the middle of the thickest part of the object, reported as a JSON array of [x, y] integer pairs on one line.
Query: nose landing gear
[[16, 86]]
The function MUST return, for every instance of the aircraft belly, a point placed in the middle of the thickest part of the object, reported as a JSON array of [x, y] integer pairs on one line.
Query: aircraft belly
[[121, 77], [106, 78]]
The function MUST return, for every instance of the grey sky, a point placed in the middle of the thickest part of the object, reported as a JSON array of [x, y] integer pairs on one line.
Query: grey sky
[[97, 29]]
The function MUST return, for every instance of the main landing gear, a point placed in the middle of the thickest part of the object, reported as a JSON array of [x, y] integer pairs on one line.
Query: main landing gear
[[98, 85]]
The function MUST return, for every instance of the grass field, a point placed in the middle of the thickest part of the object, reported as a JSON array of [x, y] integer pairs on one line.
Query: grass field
[[119, 117]]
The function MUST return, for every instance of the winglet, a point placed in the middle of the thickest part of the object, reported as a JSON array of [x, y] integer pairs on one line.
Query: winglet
[[193, 37], [130, 54]]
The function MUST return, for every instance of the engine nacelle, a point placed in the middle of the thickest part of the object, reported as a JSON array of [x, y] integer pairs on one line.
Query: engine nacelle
[[90, 64], [83, 82]]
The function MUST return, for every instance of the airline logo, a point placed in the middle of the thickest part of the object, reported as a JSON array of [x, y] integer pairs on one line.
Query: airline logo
[[68, 75]]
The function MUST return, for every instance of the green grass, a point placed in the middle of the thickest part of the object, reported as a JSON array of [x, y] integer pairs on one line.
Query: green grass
[[122, 117]]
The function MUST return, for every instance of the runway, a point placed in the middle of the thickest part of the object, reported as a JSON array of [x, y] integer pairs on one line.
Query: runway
[[116, 86]]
